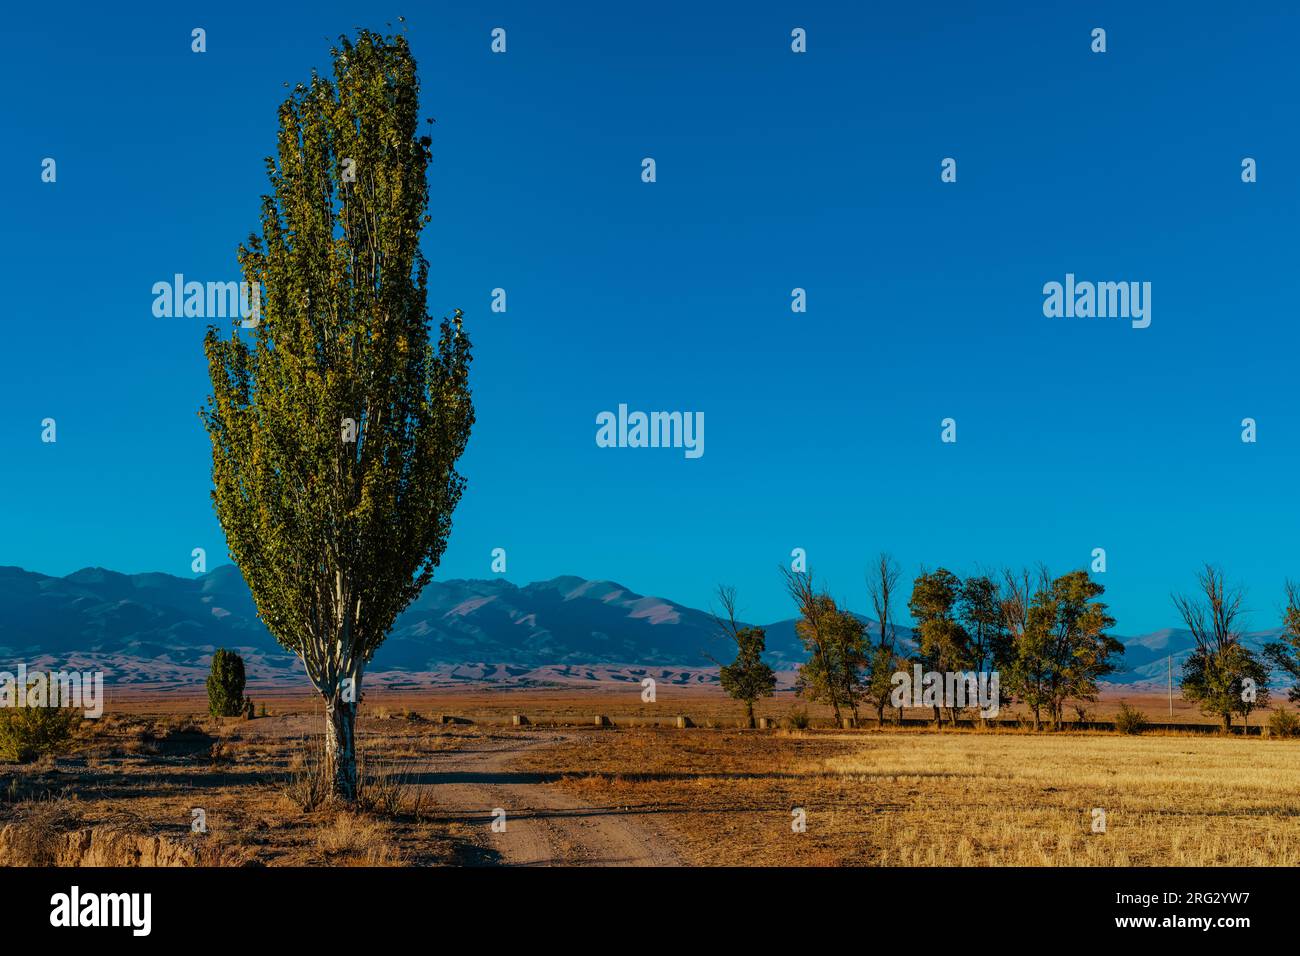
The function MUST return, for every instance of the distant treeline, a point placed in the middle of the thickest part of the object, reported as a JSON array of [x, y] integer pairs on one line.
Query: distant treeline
[[1046, 638]]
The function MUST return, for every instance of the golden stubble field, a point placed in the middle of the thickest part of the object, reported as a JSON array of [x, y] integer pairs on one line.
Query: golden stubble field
[[953, 798], [644, 795]]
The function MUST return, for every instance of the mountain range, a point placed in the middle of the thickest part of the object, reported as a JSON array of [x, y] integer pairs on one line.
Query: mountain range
[[159, 629]]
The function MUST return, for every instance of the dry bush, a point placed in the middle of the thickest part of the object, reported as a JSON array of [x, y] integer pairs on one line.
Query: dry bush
[[27, 733], [36, 832], [307, 785], [212, 851], [1284, 723], [354, 840], [386, 793], [1130, 720], [381, 792], [139, 740], [222, 753]]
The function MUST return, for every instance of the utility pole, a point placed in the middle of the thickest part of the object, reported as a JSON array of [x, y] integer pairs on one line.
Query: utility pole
[[1171, 686]]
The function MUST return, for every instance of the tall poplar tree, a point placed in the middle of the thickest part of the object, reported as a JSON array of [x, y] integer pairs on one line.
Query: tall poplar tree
[[336, 421]]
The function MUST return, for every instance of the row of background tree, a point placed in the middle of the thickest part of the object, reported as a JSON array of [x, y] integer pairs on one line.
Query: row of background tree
[[1045, 636]]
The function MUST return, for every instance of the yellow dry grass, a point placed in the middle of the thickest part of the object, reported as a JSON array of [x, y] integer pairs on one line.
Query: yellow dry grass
[[985, 799], [950, 799], [352, 840]]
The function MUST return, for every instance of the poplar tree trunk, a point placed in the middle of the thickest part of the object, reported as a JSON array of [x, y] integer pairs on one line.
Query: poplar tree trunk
[[340, 747]]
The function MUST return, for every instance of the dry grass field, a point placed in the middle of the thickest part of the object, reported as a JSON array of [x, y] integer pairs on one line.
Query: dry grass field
[[127, 794], [952, 798], [639, 794]]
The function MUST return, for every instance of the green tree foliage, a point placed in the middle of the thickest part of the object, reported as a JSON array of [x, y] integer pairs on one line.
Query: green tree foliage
[[226, 684], [1024, 675], [336, 425], [1285, 654], [944, 645], [747, 678], [1217, 672], [1216, 679], [980, 612], [1080, 653], [1057, 646]]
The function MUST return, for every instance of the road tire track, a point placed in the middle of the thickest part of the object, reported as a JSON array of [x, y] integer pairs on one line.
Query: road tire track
[[543, 825]]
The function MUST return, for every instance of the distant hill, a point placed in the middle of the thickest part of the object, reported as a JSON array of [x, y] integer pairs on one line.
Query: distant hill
[[157, 628]]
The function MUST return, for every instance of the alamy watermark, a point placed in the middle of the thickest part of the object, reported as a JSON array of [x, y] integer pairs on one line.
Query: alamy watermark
[[953, 689], [651, 430], [78, 690], [208, 300], [75, 908], [1101, 300]]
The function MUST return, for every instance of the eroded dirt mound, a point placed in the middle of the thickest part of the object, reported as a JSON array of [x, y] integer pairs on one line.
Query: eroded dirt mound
[[94, 846]]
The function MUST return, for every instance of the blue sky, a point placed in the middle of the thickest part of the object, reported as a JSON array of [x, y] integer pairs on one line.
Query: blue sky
[[775, 171]]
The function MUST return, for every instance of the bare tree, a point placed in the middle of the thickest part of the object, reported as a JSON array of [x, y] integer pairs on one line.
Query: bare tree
[[882, 582], [725, 595], [1213, 620]]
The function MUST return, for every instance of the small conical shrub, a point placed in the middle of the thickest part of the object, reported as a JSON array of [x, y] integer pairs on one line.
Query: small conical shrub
[[226, 684]]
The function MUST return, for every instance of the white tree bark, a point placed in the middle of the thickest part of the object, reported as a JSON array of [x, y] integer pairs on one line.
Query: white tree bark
[[340, 747]]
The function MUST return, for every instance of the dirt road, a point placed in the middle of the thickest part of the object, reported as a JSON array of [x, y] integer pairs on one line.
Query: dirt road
[[542, 826]]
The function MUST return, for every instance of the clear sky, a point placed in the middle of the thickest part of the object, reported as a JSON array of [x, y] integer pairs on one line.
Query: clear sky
[[775, 170]]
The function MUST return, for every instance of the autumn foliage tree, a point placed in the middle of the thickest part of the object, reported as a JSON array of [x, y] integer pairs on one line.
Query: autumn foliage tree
[[842, 669], [336, 423], [836, 642]]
